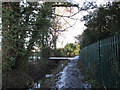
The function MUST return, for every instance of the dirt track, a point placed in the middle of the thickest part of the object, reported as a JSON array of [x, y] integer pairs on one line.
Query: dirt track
[[71, 77]]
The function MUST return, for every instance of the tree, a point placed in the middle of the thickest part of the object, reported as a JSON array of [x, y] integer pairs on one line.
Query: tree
[[25, 26], [12, 41], [71, 49], [102, 23], [21, 22], [41, 33]]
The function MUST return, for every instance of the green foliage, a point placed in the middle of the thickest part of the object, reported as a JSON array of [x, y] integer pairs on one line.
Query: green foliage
[[12, 44], [71, 49], [21, 22], [102, 23], [24, 27], [59, 52]]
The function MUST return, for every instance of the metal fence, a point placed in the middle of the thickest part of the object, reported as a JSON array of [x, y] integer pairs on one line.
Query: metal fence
[[103, 60]]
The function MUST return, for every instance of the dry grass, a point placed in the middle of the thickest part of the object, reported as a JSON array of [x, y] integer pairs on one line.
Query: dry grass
[[25, 77], [16, 79], [89, 76]]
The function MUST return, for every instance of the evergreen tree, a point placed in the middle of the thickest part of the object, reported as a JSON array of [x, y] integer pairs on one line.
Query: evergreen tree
[[102, 23]]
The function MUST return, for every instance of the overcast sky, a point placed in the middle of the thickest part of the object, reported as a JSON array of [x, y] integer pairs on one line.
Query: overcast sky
[[77, 29]]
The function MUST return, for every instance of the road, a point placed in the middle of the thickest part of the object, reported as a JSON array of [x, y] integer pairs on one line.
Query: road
[[71, 77]]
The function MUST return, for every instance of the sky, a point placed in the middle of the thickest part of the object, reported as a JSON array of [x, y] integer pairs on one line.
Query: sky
[[69, 35], [77, 29]]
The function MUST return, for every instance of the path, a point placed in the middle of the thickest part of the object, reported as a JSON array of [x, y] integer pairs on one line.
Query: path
[[71, 77]]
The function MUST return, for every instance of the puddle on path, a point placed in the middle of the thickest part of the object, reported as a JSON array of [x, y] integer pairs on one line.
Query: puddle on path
[[37, 84]]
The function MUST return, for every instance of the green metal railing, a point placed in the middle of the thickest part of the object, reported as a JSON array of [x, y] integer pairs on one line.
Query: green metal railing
[[103, 60]]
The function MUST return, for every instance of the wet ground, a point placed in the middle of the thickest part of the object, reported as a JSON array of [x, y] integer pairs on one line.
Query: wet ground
[[71, 77]]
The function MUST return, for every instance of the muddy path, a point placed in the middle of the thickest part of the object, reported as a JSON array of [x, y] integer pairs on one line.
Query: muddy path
[[71, 77]]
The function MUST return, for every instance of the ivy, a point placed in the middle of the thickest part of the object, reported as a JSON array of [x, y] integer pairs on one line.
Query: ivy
[[18, 21]]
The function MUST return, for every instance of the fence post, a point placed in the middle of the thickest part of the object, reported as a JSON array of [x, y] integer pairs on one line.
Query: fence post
[[118, 35], [107, 55], [99, 72], [100, 61]]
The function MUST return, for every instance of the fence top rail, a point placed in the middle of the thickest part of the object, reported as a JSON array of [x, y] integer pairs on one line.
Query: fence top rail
[[109, 40]]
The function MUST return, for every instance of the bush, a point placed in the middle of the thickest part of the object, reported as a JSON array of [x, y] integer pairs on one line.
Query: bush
[[16, 79], [37, 69]]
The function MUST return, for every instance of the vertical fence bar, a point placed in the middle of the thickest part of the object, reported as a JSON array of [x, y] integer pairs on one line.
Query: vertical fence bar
[[105, 56], [118, 60]]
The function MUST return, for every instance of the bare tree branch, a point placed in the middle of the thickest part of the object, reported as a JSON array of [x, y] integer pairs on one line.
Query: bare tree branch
[[67, 27], [66, 20], [65, 5], [67, 16]]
